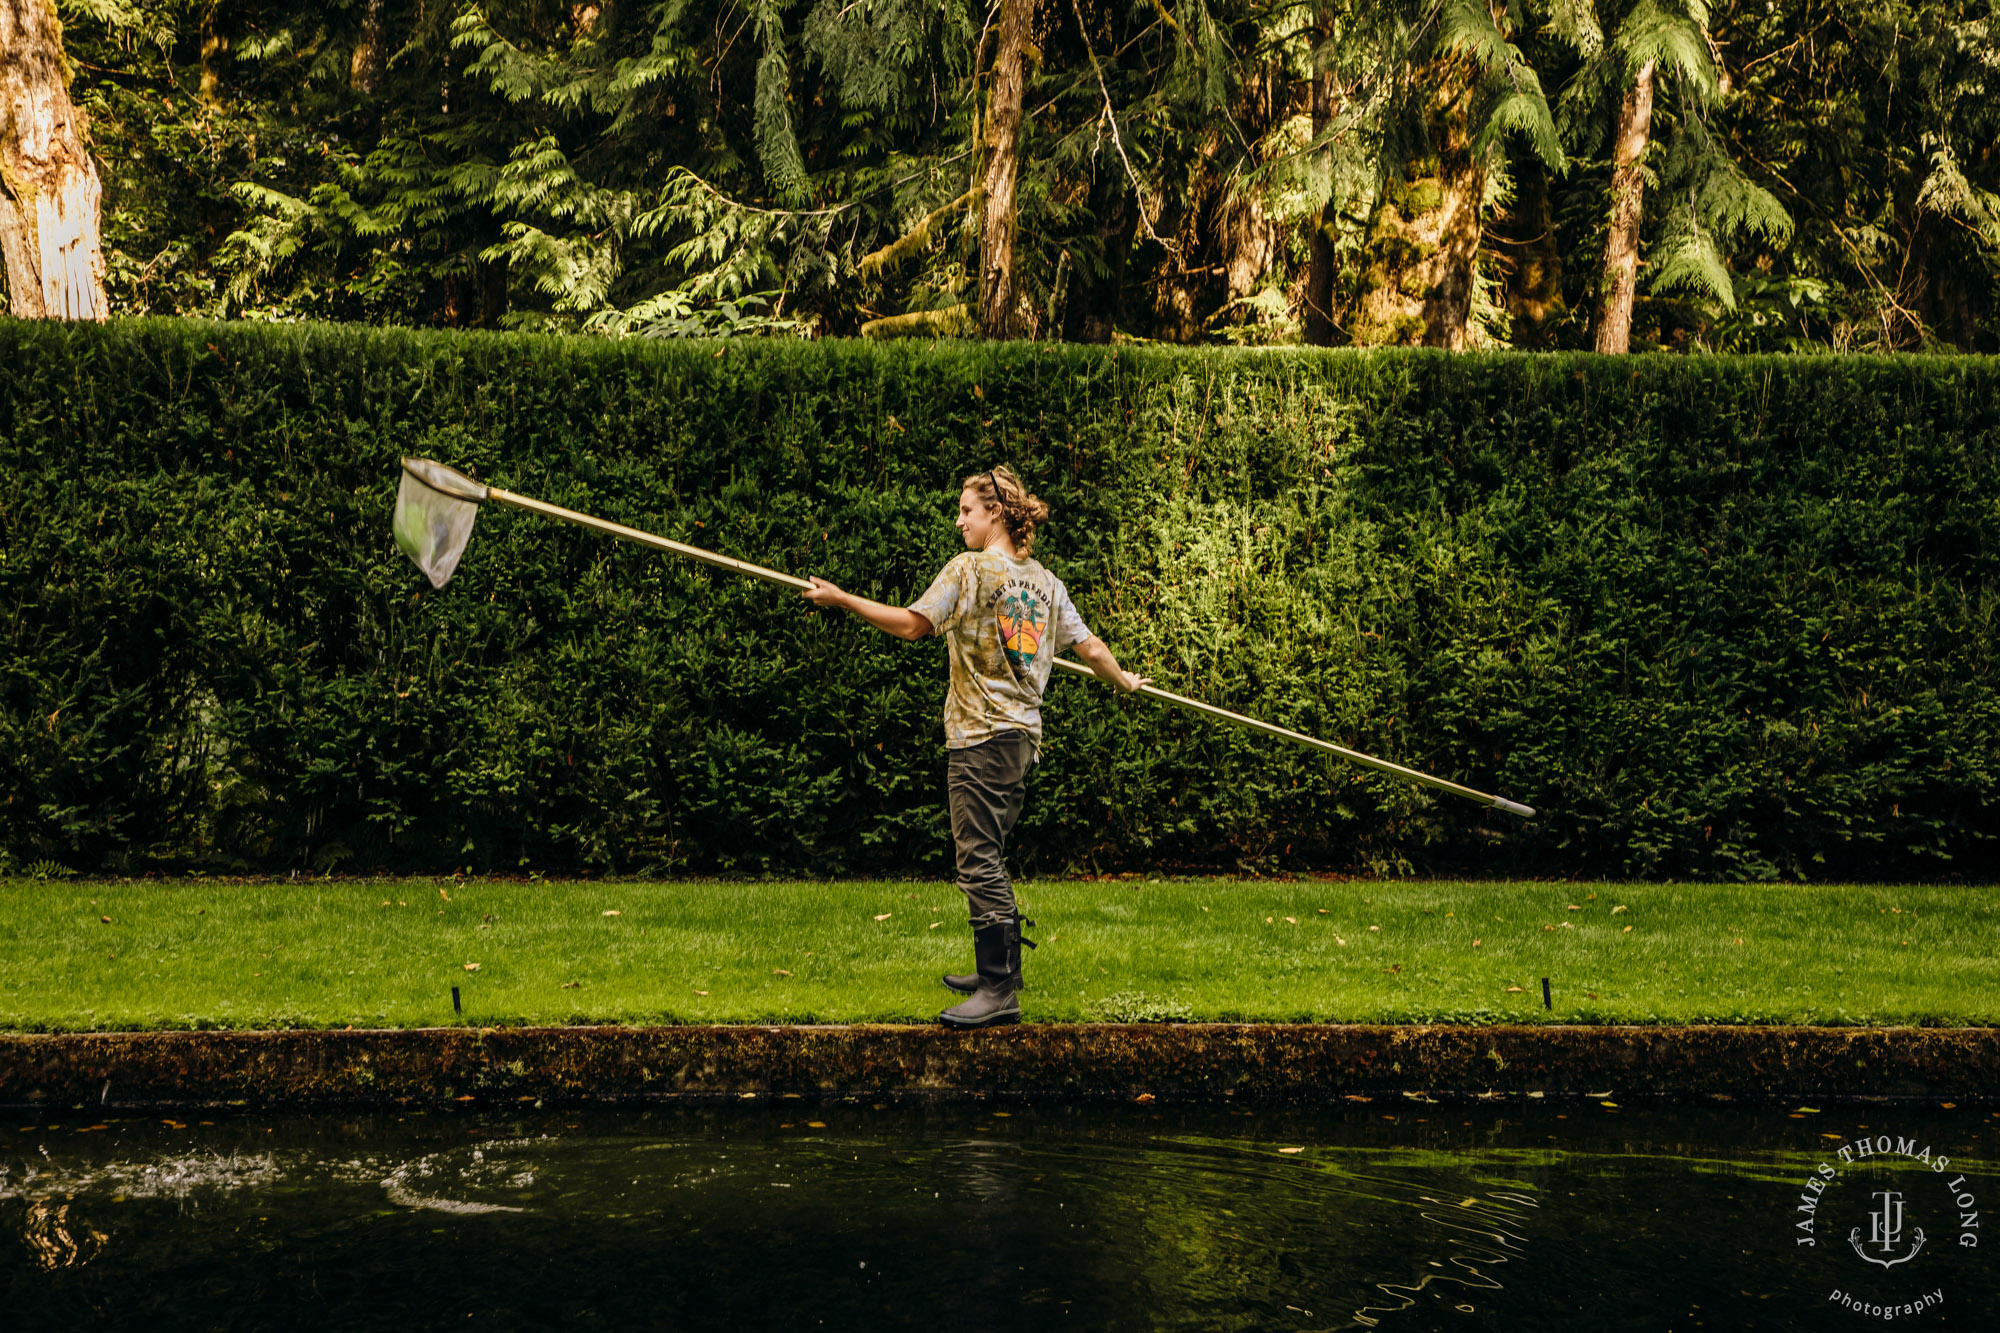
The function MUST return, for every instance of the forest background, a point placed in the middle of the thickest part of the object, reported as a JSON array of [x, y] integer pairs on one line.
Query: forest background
[[1742, 176]]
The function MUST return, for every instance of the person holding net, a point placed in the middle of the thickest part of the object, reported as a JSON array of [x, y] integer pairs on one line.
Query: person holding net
[[1004, 618]]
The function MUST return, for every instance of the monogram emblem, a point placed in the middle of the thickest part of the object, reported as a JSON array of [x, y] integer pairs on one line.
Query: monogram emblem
[[1885, 1231]]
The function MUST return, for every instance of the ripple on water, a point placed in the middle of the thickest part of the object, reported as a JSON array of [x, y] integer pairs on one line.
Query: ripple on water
[[1098, 1217]]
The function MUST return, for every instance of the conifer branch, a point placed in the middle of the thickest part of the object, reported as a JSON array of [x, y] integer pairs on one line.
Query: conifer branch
[[1138, 191]]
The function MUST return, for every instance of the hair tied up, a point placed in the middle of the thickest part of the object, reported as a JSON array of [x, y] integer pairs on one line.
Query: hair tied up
[[1019, 510]]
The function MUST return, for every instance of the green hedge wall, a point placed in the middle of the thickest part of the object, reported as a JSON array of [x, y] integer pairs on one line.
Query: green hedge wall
[[1714, 617]]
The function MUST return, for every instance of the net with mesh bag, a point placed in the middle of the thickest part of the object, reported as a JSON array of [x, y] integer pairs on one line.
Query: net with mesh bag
[[435, 509]]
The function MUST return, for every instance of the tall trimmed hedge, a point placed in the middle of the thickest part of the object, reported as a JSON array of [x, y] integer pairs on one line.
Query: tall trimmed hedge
[[1714, 617]]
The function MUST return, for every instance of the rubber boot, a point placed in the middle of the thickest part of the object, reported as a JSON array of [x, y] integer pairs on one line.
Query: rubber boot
[[967, 982], [994, 1001]]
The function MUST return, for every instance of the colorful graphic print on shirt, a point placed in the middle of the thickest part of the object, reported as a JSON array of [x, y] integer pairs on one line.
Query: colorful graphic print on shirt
[[1003, 621], [1024, 619]]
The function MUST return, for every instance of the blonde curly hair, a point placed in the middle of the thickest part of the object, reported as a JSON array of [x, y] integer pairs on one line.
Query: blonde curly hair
[[1019, 510]]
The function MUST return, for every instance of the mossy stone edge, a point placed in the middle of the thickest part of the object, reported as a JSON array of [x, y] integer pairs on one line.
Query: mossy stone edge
[[1248, 1062]]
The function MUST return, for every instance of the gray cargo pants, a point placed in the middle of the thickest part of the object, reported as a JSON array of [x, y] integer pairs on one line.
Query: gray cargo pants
[[986, 782]]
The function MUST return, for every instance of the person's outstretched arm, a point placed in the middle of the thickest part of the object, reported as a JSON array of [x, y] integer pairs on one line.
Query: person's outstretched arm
[[897, 620], [1099, 659]]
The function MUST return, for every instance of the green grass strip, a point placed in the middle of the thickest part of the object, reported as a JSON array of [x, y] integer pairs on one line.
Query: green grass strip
[[197, 954]]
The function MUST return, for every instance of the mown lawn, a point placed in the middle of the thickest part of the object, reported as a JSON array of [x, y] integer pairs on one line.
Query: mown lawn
[[387, 953]]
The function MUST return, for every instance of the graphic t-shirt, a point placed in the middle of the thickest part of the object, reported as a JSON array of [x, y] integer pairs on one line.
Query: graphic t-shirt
[[1003, 621]]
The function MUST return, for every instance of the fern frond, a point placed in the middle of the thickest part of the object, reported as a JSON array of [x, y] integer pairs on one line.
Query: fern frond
[[1574, 23], [771, 119], [1687, 258]]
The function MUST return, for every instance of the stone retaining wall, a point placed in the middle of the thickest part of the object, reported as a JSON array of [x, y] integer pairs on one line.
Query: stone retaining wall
[[1205, 1060]]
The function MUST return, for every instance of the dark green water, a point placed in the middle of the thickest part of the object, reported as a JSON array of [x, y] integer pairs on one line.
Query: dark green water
[[1391, 1214]]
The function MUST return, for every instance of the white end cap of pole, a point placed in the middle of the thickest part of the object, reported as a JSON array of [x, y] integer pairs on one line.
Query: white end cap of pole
[[1513, 807]]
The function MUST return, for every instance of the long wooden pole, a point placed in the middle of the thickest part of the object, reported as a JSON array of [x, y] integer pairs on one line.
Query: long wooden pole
[[1352, 756], [658, 543]]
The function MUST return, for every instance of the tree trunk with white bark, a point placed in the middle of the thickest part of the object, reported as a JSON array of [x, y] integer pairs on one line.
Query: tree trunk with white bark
[[50, 195], [1004, 122], [1618, 286]]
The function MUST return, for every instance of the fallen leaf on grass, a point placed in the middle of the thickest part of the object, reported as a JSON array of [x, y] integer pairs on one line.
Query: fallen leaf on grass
[[1396, 967], [613, 912], [472, 967], [1477, 943], [1620, 908], [1628, 930], [883, 916], [815, 1124], [1341, 942], [1143, 1097], [936, 924], [1739, 940], [1573, 907], [385, 902], [701, 992], [105, 919], [779, 972], [1291, 1150], [1322, 911], [1514, 990], [1267, 920], [572, 985], [1374, 927], [1292, 920]]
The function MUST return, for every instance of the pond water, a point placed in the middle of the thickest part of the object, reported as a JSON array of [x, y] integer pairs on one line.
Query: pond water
[[1393, 1214]]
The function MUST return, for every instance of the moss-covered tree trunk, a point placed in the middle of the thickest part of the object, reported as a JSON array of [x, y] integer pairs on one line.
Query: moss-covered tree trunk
[[371, 50], [1527, 239], [1422, 252], [1097, 283], [50, 195], [1618, 285], [1004, 122], [1322, 258], [1425, 237]]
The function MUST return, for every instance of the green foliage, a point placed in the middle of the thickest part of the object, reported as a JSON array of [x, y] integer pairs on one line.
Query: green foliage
[[1728, 618]]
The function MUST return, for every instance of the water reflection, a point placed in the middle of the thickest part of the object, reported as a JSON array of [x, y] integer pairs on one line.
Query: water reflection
[[870, 1217]]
